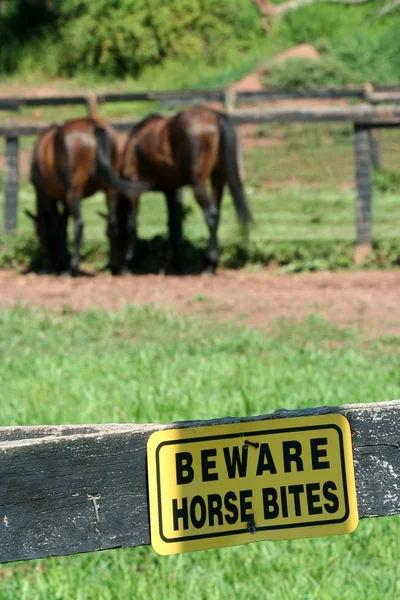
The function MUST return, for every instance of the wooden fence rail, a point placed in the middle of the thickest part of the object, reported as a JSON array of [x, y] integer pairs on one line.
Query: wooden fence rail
[[364, 117], [71, 489], [368, 93]]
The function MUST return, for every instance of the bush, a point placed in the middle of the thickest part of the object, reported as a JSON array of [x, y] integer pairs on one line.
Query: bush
[[19, 251], [301, 72], [385, 181], [120, 38], [355, 46], [367, 56]]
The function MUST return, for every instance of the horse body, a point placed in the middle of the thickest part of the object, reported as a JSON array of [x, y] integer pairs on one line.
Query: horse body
[[196, 147], [71, 162]]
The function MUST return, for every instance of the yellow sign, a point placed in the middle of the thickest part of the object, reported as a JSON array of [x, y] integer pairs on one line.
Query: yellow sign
[[225, 485]]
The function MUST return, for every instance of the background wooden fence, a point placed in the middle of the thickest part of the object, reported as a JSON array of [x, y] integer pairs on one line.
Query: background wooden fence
[[70, 489], [366, 118]]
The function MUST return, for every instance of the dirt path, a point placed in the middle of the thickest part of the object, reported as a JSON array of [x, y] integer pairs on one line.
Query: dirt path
[[362, 299]]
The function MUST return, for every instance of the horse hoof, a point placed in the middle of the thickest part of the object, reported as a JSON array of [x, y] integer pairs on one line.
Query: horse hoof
[[74, 270], [208, 271], [66, 273], [45, 272]]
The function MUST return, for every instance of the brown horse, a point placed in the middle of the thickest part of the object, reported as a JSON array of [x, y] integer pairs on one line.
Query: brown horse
[[195, 147], [70, 162]]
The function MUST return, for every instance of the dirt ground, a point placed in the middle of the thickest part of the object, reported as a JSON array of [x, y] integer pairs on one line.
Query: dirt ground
[[366, 300]]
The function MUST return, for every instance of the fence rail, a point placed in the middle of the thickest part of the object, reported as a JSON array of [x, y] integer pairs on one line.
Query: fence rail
[[83, 488], [367, 92], [362, 114]]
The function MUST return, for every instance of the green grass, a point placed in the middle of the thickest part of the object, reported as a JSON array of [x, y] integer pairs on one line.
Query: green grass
[[141, 365]]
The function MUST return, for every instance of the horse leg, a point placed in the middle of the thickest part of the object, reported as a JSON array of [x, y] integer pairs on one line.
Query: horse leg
[[113, 231], [217, 185], [131, 234], [211, 215], [63, 253], [73, 201], [64, 221], [60, 258], [175, 206]]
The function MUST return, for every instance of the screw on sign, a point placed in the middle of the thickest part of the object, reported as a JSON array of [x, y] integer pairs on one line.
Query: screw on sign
[[225, 485]]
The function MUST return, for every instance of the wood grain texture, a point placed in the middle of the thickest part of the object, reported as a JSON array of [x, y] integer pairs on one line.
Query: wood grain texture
[[11, 185], [376, 116], [372, 94], [71, 489], [362, 161]]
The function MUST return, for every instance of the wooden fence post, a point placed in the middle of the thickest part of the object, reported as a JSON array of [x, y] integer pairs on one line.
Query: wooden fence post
[[375, 147], [92, 105], [229, 100], [11, 184], [364, 192]]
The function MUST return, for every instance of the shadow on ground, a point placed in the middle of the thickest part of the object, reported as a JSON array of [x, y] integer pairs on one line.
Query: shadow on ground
[[152, 257]]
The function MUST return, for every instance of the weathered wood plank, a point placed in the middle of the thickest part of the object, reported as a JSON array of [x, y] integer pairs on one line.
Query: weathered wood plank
[[9, 105], [364, 191], [11, 185], [230, 100], [376, 95], [333, 93], [375, 148], [361, 113], [387, 116], [205, 95], [74, 489]]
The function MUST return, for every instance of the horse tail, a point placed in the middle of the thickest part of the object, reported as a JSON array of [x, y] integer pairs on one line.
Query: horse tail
[[229, 156], [104, 167]]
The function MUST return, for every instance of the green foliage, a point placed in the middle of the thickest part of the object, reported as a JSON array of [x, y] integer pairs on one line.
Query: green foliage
[[386, 253], [309, 24], [303, 72], [355, 46], [386, 181], [292, 256], [152, 254], [121, 38], [368, 56], [26, 34], [19, 251], [178, 43]]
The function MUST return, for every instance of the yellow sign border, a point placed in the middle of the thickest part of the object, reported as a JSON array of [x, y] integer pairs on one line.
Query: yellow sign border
[[246, 429]]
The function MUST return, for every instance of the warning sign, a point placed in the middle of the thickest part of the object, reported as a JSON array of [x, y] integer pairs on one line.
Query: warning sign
[[225, 485]]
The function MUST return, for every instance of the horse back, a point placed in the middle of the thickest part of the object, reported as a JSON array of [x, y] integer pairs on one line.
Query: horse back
[[75, 149], [147, 153], [194, 136], [65, 157], [172, 152]]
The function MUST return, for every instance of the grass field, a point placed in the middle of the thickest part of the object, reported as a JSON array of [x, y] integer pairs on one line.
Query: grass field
[[142, 365]]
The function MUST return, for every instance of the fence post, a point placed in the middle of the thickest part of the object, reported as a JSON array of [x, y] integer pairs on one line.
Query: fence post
[[364, 192], [92, 105], [229, 99], [375, 147], [11, 184]]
